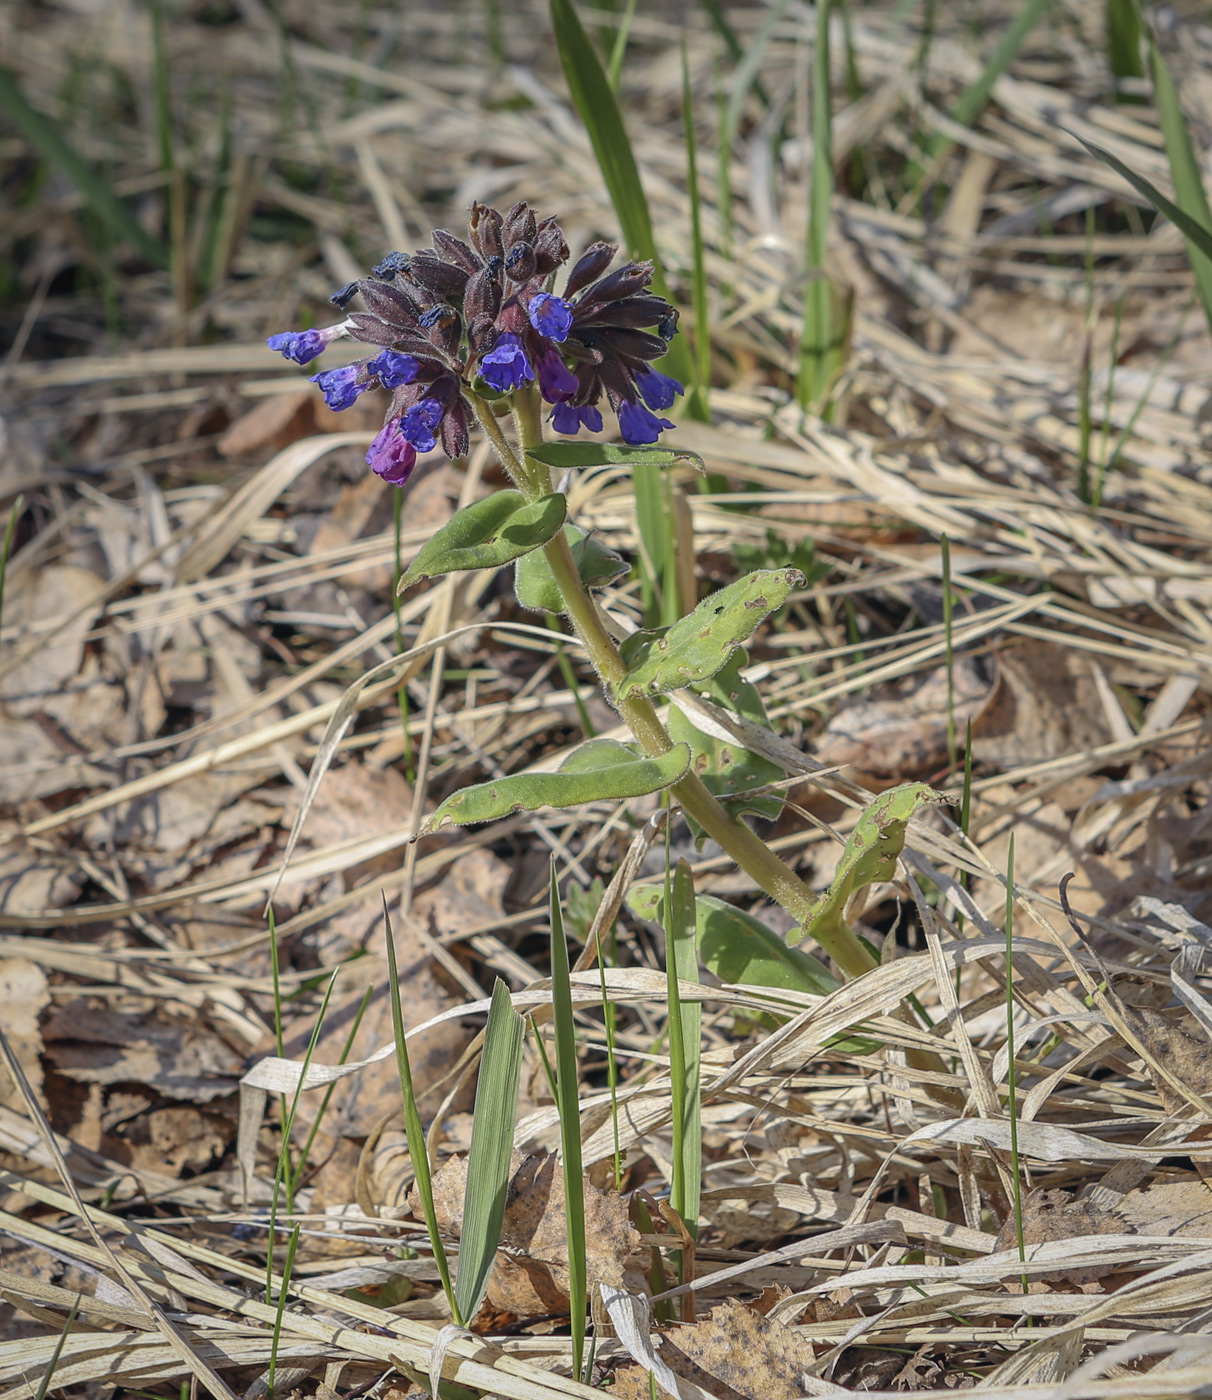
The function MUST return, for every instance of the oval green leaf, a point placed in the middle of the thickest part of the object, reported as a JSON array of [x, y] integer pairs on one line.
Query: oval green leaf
[[535, 584], [599, 771], [488, 533], [698, 646]]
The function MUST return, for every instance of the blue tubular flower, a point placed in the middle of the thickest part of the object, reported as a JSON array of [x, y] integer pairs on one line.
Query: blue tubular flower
[[419, 422], [657, 390], [393, 369], [638, 426], [303, 346], [506, 366], [391, 455], [550, 316], [340, 387], [567, 419], [556, 381]]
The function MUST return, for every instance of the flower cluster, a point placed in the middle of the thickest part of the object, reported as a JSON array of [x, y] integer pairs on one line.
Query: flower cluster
[[479, 318]]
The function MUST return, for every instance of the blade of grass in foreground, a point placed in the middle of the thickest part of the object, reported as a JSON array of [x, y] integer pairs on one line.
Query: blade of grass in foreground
[[701, 361], [598, 108], [568, 1103], [818, 355], [412, 1124], [43, 134], [7, 547], [1189, 189], [491, 1144], [1123, 39], [685, 1019], [44, 1384]]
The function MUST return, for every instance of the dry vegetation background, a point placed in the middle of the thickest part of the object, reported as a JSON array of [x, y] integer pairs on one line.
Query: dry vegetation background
[[202, 564]]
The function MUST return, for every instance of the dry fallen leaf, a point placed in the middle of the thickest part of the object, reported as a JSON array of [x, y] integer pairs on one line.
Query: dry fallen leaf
[[23, 996], [1054, 1215], [530, 1277], [1169, 1208], [733, 1351]]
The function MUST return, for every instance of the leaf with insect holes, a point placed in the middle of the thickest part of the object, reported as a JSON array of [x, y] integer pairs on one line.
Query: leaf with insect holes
[[488, 533], [535, 584], [726, 766], [699, 645], [599, 771]]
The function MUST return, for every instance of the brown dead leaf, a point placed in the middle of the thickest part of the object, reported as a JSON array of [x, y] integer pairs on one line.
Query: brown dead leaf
[[1169, 1208], [35, 605], [1045, 704], [1054, 1215], [23, 996], [530, 1277], [170, 1141], [271, 425], [900, 730], [93, 1042], [32, 880], [734, 1351]]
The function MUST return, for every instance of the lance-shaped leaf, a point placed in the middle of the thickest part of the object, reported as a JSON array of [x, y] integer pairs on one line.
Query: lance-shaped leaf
[[699, 645], [726, 766], [610, 454], [535, 584], [599, 771], [495, 531], [738, 948]]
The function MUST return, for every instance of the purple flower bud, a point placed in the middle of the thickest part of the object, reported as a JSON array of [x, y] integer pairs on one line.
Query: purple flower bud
[[567, 419], [340, 387], [590, 266], [303, 346], [391, 455], [656, 389], [418, 424], [506, 367], [342, 298], [556, 381], [394, 369], [638, 425], [550, 316]]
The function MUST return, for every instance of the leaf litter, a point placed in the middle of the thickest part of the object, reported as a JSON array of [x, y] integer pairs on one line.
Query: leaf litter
[[202, 567]]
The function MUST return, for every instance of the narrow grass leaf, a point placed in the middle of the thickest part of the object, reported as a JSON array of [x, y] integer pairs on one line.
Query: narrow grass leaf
[[491, 1144], [287, 1270], [567, 1098], [50, 143], [7, 547], [817, 354], [701, 361], [1189, 189], [1123, 39], [685, 1043], [412, 1124], [45, 1379]]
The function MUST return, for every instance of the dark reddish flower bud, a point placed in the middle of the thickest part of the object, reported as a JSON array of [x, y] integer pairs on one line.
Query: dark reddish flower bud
[[520, 262], [455, 439], [550, 250], [590, 266], [454, 250], [445, 328], [626, 281], [485, 227], [481, 335], [483, 295], [631, 311], [520, 225]]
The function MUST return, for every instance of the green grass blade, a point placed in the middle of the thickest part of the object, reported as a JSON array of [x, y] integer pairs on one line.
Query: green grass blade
[[287, 1269], [412, 1125], [1189, 189], [569, 1105], [818, 355], [972, 100], [304, 1156], [701, 361], [1123, 39], [7, 547], [685, 1020], [491, 1144], [41, 132], [618, 50], [44, 1382], [719, 21]]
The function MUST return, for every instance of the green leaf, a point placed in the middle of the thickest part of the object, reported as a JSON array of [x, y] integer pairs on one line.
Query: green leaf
[[697, 646], [535, 584], [491, 1144], [567, 1096], [685, 1051], [500, 528], [738, 948], [725, 765], [603, 454], [1196, 233], [870, 854], [599, 771]]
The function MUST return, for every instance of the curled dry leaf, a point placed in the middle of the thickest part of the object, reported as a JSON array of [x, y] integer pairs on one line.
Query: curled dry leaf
[[530, 1278]]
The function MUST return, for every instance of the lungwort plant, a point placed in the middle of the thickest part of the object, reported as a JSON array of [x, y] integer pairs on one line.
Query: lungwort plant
[[488, 331]]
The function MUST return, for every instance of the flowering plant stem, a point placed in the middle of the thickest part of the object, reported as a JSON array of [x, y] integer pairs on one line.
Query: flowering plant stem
[[758, 861]]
